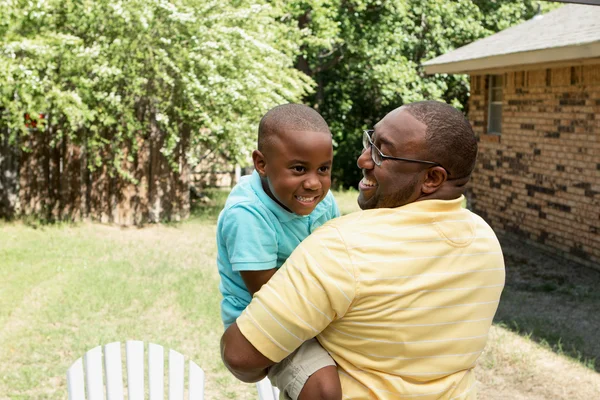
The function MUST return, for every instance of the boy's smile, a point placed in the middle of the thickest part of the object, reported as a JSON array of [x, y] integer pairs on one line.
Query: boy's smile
[[296, 169]]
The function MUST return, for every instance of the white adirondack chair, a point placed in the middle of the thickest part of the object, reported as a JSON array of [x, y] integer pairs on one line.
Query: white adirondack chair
[[266, 391], [94, 385]]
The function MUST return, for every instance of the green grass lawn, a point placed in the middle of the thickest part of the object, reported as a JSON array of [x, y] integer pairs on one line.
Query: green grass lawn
[[68, 288], [65, 289]]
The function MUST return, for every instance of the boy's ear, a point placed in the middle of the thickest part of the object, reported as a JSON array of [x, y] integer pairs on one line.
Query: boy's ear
[[259, 162]]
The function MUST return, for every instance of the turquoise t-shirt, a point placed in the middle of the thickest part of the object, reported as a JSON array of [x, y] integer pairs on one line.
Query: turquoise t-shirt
[[255, 233]]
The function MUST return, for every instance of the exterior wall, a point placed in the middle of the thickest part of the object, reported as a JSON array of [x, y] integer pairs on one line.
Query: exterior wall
[[540, 178]]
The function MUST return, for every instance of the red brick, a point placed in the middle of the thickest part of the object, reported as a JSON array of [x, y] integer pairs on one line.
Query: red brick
[[573, 97]]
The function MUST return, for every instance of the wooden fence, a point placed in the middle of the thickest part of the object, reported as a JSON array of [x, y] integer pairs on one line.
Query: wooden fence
[[9, 177], [52, 181]]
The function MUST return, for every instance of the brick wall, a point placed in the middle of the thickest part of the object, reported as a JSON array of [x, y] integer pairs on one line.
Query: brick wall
[[540, 178]]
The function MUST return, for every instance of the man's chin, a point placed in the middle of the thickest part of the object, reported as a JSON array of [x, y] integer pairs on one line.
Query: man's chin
[[365, 203]]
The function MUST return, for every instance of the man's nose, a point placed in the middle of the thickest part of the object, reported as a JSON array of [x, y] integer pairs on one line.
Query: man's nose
[[365, 161]]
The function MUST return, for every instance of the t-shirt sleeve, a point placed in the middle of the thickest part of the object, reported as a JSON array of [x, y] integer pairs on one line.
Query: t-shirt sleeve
[[312, 289], [250, 239]]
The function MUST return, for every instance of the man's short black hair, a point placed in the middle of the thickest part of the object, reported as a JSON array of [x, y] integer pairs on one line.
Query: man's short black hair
[[449, 137], [289, 117]]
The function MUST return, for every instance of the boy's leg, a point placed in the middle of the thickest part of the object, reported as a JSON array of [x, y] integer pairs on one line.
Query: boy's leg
[[308, 373], [323, 384]]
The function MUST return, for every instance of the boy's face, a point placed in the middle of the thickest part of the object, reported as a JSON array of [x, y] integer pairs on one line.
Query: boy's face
[[296, 169]]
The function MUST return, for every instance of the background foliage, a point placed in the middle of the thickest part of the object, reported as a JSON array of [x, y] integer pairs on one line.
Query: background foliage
[[115, 72], [371, 62], [111, 73]]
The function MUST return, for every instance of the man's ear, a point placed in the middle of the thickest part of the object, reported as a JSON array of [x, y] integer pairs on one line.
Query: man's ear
[[434, 178], [260, 162]]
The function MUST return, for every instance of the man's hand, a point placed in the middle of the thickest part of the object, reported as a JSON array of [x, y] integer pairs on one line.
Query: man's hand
[[243, 359]]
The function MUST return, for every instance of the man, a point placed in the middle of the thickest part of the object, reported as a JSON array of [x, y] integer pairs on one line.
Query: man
[[401, 294]]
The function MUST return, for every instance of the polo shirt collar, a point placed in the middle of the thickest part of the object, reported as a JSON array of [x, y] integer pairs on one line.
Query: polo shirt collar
[[435, 205]]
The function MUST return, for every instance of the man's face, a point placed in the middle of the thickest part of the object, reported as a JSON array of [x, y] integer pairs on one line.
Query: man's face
[[298, 169], [394, 183]]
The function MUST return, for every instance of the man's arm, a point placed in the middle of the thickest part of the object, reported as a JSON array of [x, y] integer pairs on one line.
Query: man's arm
[[255, 279], [241, 357], [314, 287]]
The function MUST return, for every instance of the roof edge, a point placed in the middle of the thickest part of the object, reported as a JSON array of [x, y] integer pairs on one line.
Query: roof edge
[[565, 53]]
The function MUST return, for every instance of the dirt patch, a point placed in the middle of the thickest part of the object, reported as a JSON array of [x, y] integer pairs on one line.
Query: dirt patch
[[552, 300], [513, 367]]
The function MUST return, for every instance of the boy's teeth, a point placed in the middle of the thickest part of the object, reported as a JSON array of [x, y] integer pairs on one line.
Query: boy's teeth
[[368, 182], [306, 199]]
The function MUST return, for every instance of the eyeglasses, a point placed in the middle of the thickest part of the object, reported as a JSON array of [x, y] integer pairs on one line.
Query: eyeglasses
[[377, 156]]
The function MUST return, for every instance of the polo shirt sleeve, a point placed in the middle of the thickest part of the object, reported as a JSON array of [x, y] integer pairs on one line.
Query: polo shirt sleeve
[[311, 290], [250, 239]]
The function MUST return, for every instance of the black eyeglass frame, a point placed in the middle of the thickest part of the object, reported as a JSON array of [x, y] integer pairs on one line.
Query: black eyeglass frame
[[369, 143]]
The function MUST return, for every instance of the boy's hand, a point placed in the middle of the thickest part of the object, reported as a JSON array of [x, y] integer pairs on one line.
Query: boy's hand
[[255, 279]]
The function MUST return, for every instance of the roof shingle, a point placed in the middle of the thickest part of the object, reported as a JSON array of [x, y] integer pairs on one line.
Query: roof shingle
[[570, 25]]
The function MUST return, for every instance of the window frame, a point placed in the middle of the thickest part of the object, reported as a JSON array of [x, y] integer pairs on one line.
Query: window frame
[[492, 79]]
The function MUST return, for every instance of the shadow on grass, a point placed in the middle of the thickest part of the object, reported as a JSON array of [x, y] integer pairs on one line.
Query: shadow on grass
[[552, 301]]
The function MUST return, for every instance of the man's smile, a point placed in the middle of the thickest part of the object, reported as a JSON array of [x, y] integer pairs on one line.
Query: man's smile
[[366, 184]]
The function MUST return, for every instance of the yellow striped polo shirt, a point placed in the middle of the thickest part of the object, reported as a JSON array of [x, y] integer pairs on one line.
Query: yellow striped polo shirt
[[401, 298]]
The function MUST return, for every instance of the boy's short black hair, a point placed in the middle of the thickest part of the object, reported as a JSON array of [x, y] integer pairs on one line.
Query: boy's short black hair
[[293, 117]]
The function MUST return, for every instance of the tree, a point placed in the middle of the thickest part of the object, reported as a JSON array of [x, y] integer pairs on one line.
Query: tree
[[183, 76], [190, 76], [366, 56], [114, 71]]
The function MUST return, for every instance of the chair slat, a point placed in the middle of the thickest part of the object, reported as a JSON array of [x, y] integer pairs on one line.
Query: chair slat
[[114, 371], [196, 382], [75, 378], [93, 374], [156, 370], [176, 374], [135, 369], [85, 377], [266, 391]]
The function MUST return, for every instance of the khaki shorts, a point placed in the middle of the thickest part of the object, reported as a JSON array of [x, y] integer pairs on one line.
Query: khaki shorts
[[292, 372]]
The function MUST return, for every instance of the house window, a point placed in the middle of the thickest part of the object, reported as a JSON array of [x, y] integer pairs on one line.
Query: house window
[[496, 82]]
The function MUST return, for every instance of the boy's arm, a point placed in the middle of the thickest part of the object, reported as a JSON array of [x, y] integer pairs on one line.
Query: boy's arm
[[255, 279], [251, 245]]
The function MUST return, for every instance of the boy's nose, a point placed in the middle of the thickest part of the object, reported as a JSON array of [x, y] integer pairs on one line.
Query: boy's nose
[[312, 183]]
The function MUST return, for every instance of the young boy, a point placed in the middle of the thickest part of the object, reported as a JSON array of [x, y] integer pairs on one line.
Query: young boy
[[268, 214]]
